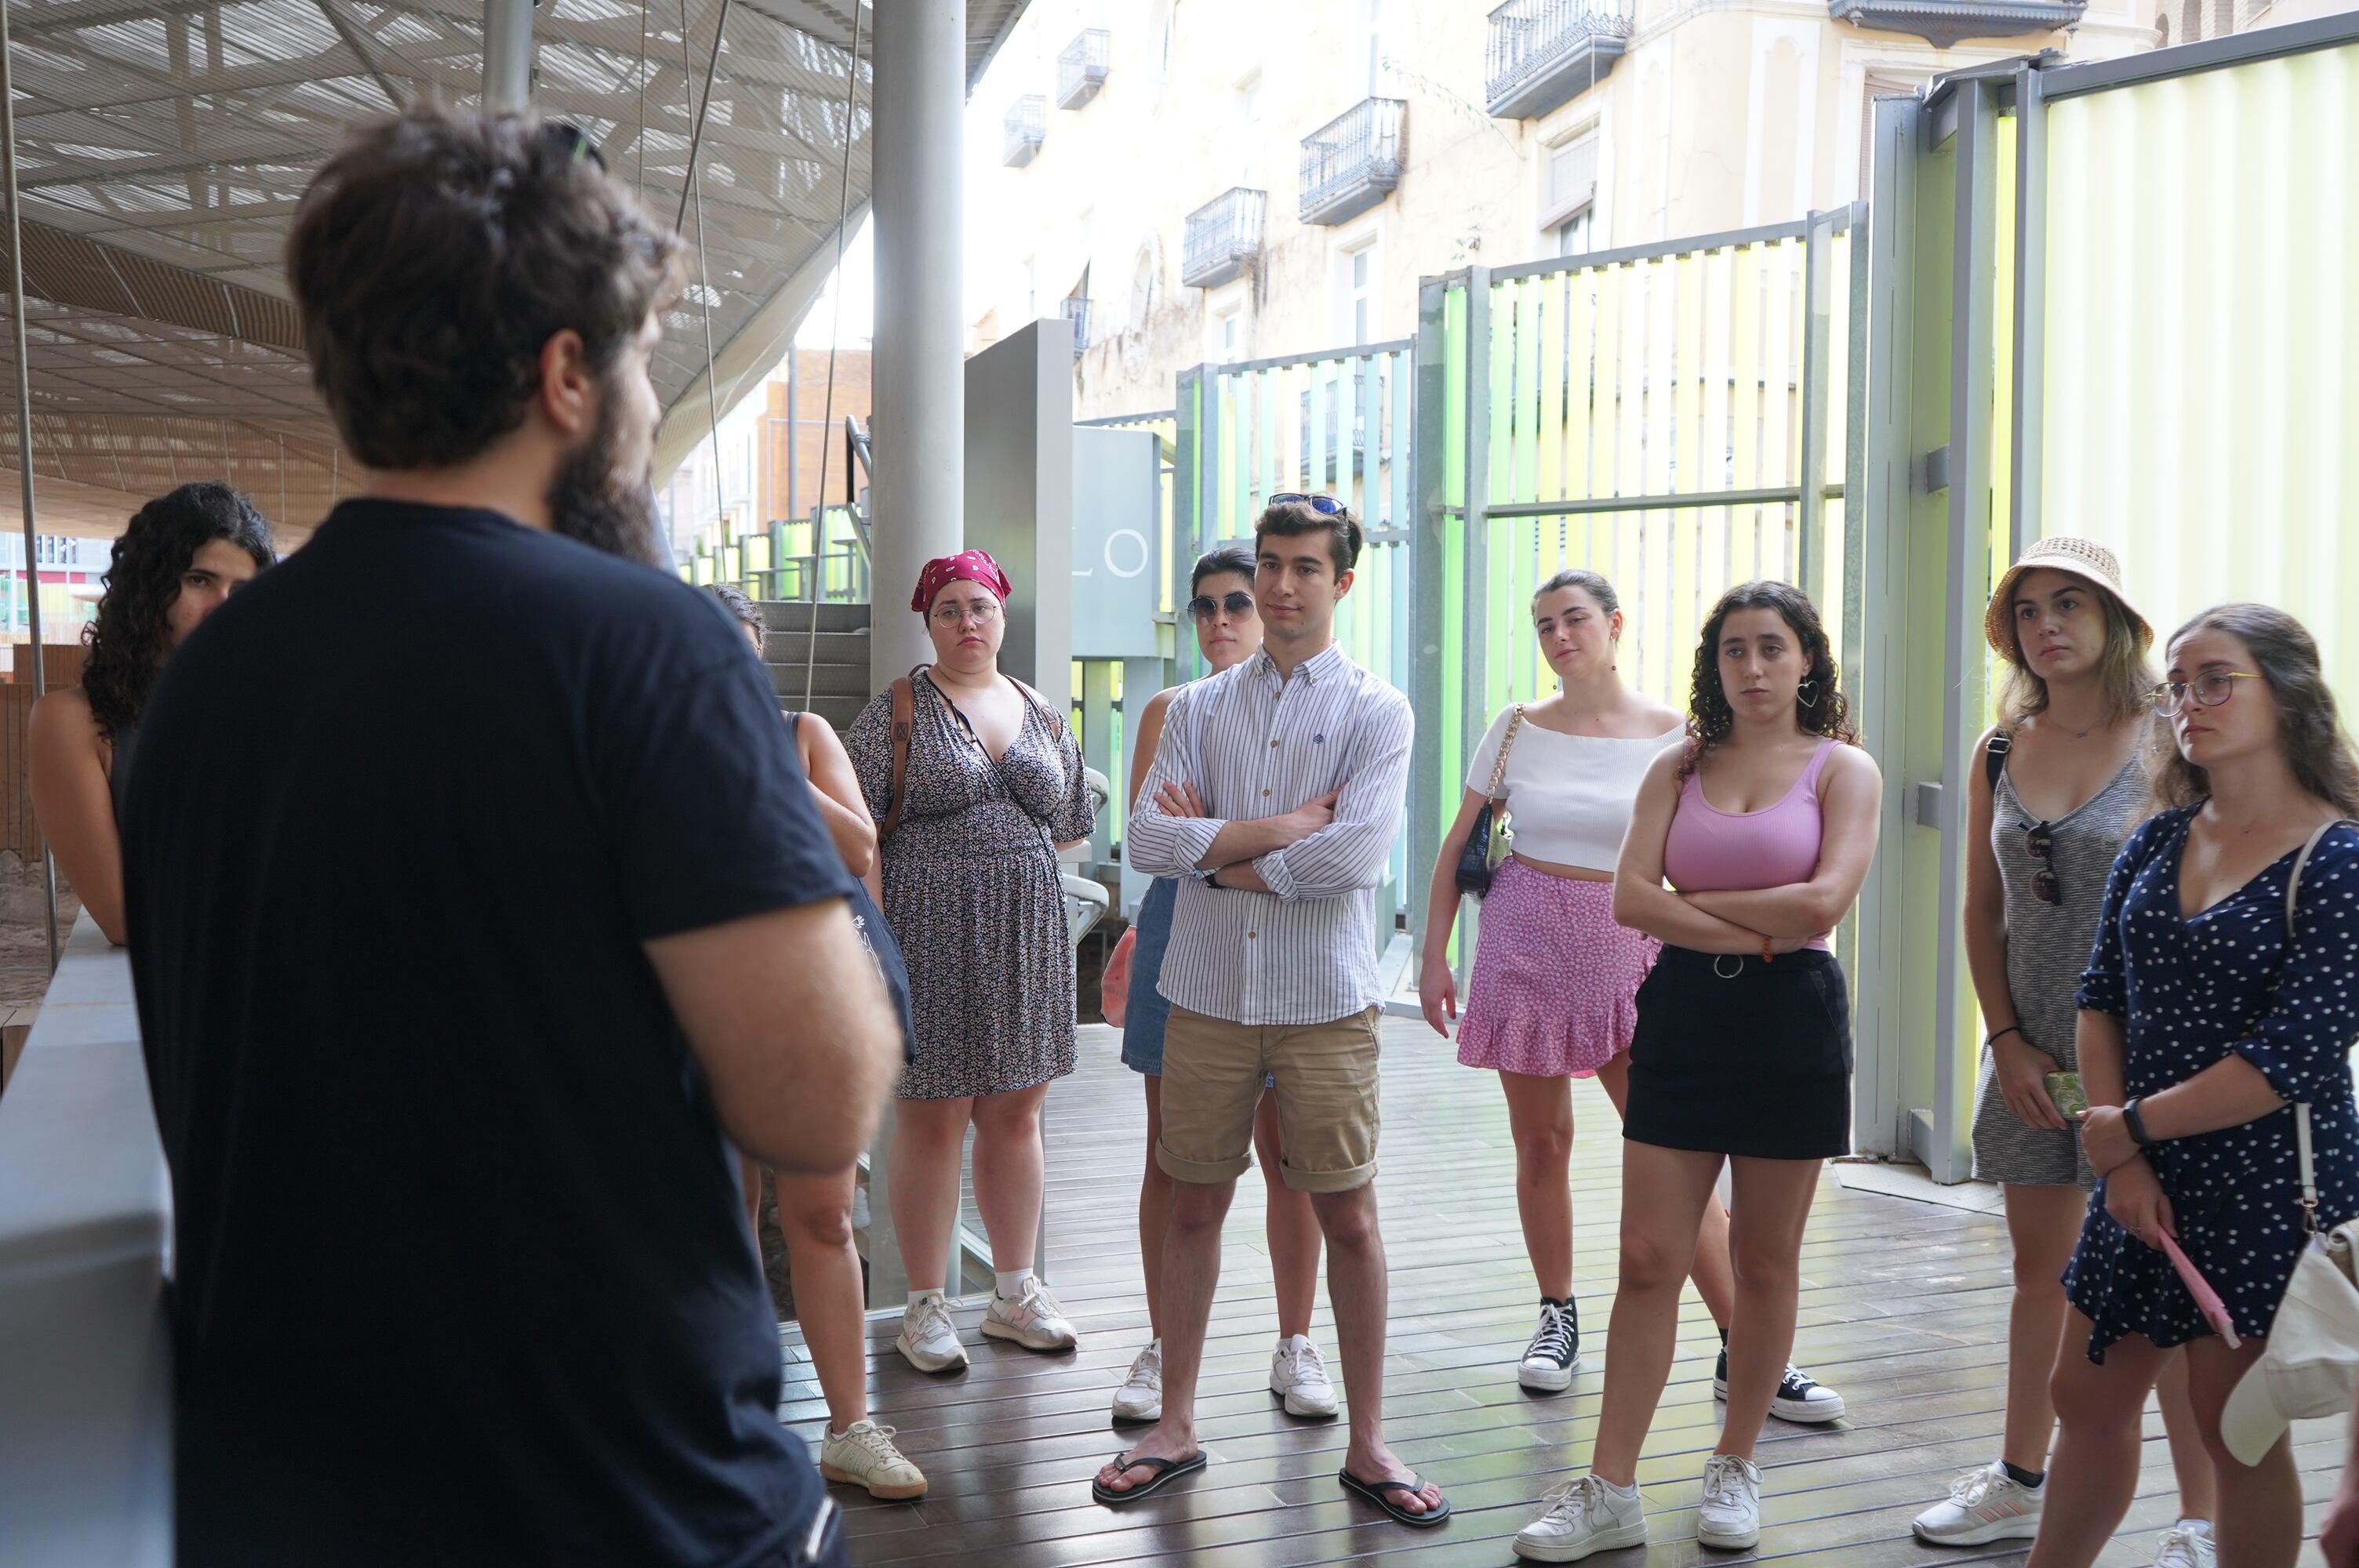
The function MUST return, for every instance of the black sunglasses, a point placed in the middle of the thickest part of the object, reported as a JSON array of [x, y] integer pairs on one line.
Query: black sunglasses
[[1325, 505], [1203, 608], [2042, 843], [574, 142]]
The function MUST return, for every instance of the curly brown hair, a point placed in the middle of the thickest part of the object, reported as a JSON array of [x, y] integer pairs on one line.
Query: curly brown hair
[[130, 636], [2309, 729], [1826, 711], [439, 252]]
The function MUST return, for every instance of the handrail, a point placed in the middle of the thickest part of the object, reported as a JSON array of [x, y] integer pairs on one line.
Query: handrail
[[85, 1222]]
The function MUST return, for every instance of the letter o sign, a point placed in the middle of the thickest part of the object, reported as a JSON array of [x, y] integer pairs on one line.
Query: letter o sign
[[1137, 546]]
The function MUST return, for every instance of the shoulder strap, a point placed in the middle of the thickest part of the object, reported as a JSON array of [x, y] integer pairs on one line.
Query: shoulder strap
[[2293, 882], [904, 718], [2301, 1109], [1507, 742], [1995, 752]]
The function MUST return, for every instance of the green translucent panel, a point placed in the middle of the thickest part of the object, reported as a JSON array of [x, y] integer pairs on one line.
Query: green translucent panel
[[2201, 367]]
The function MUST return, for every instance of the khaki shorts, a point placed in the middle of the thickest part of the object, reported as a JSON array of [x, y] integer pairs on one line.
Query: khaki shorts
[[1326, 1085]]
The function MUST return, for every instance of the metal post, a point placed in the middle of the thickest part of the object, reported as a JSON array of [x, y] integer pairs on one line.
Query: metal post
[[1473, 697], [2030, 303], [918, 485], [1956, 1052], [919, 482], [24, 433], [1429, 574], [507, 54], [1817, 285]]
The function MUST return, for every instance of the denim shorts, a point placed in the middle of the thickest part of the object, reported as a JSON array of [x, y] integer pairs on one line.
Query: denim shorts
[[1142, 1032]]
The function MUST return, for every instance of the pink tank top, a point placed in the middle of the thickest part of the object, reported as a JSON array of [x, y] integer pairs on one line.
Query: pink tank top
[[1711, 850]]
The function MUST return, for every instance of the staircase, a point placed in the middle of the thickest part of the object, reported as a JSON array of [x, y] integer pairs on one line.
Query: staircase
[[840, 683]]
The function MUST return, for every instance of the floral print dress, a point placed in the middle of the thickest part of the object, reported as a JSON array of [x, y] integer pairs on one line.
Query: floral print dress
[[972, 891]]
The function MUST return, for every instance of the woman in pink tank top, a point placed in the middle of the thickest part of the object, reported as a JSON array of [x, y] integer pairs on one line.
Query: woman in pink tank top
[[1764, 825]]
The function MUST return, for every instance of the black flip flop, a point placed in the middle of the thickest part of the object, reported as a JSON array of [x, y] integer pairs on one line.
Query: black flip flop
[[1375, 1492], [1165, 1470]]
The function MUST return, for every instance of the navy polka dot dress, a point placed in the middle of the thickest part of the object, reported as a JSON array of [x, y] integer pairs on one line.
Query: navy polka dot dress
[[2195, 991]]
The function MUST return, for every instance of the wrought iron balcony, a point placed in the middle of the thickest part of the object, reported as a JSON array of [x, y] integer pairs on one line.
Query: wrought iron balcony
[[1942, 23], [1544, 53], [1352, 162], [1077, 310], [1082, 68], [1223, 236], [1028, 123]]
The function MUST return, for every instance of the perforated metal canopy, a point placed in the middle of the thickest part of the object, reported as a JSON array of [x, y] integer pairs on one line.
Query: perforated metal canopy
[[163, 145]]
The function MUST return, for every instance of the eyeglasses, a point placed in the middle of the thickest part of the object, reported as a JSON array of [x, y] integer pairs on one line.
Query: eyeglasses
[[1325, 505], [2042, 843], [573, 141], [1203, 608], [949, 615], [2211, 688]]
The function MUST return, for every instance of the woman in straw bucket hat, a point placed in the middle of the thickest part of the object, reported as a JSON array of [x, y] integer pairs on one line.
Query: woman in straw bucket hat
[[2057, 786]]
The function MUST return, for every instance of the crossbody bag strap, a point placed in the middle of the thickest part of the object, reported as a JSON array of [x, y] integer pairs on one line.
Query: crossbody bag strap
[[1507, 744], [904, 718], [1995, 752], [2301, 1110]]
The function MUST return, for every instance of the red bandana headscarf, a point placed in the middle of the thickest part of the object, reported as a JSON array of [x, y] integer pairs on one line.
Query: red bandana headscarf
[[967, 566]]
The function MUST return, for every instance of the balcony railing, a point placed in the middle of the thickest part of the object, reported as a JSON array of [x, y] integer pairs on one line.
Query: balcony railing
[[1028, 123], [1545, 53], [1352, 162], [1224, 237], [1943, 23], [1077, 311], [1082, 68]]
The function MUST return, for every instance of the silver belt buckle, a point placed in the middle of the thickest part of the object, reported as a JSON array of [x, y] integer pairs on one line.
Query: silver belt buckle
[[815, 1538]]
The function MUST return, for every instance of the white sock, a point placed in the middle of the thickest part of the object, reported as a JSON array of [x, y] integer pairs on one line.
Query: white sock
[[916, 1296], [1011, 1281], [1630, 1491], [2196, 1526], [1289, 1341]]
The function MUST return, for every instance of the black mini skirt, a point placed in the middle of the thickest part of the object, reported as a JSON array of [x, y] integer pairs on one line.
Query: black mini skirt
[[1734, 1055]]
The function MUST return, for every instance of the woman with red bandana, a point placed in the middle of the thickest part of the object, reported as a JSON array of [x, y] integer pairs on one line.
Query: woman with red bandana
[[992, 786]]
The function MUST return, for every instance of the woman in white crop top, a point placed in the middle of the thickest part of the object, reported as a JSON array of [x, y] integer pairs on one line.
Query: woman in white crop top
[[1553, 995]]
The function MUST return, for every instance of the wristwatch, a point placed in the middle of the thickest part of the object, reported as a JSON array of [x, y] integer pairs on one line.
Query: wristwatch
[[2134, 1122]]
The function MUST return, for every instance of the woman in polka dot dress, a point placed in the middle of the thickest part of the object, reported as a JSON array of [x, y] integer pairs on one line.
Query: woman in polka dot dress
[[2202, 1022]]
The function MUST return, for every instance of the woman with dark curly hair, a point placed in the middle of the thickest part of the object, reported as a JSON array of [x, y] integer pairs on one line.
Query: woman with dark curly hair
[[183, 555], [1764, 825]]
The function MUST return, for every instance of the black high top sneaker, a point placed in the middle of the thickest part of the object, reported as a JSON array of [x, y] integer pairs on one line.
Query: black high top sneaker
[[1800, 1397], [1554, 1353]]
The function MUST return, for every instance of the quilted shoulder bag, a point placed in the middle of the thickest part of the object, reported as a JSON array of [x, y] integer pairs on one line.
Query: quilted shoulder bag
[[1493, 838]]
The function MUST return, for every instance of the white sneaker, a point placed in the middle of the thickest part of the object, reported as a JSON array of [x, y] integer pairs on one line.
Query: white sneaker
[[1984, 1505], [1299, 1377], [1730, 1516], [1033, 1319], [930, 1340], [1140, 1398], [1585, 1516], [2182, 1548], [1554, 1355], [863, 1456]]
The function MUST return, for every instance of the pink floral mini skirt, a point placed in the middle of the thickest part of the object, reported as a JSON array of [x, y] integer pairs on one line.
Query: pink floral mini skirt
[[1555, 987]]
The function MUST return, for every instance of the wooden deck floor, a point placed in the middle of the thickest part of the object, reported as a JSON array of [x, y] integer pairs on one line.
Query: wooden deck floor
[[1903, 1310]]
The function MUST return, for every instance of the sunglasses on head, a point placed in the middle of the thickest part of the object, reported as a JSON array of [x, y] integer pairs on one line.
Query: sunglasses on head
[[1203, 607], [1325, 505], [574, 142]]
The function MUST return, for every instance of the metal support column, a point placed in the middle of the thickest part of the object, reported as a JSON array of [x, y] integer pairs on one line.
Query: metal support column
[[507, 54], [24, 432], [918, 488], [1818, 290], [1428, 575], [920, 385], [1473, 701], [2030, 304]]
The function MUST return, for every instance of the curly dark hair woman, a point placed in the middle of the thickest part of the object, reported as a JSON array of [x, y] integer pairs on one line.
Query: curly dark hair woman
[[1820, 706], [183, 555]]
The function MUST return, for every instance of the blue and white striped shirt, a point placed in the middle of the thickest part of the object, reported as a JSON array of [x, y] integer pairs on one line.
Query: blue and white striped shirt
[[1256, 745]]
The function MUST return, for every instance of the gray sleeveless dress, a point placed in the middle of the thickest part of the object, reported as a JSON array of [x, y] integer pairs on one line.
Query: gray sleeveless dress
[[2047, 948]]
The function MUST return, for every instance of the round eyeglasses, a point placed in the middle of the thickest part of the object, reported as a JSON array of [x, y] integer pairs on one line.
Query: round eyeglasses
[[982, 614], [2211, 689]]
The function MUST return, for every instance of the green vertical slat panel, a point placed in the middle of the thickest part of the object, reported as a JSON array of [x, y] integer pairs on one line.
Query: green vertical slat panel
[[1399, 375], [1496, 538], [1314, 461], [1350, 485], [1453, 594]]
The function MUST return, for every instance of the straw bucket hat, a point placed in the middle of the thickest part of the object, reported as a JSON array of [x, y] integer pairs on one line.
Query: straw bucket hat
[[2083, 558]]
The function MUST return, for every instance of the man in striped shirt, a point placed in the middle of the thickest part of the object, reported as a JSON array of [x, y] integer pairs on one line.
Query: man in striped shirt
[[1276, 793]]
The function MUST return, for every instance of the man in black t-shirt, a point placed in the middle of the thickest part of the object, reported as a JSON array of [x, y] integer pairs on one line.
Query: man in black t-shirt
[[474, 894]]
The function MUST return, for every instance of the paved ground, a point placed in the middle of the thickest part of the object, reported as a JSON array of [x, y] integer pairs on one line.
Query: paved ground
[[1903, 1309]]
